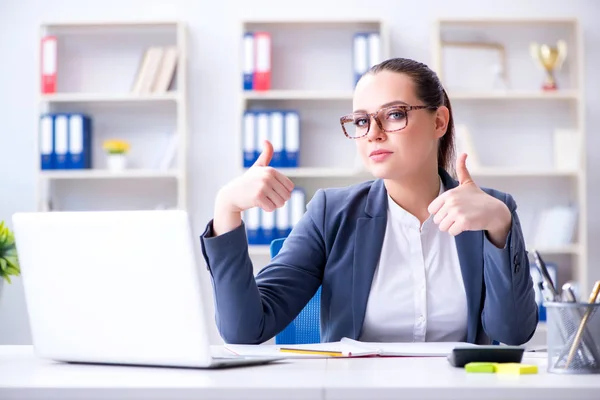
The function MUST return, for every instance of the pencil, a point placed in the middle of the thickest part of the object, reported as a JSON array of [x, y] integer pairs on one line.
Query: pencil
[[591, 300], [312, 352]]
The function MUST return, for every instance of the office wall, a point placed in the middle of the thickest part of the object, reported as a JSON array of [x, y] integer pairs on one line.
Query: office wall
[[212, 92]]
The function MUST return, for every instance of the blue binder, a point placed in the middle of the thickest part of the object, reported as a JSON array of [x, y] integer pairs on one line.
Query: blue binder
[[46, 140], [80, 146], [248, 61], [61, 141]]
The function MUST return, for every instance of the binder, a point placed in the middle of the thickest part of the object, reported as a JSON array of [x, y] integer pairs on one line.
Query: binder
[[297, 205], [267, 226], [250, 138], [48, 64], [252, 222], [374, 48], [80, 148], [282, 220], [360, 55], [262, 73], [46, 139], [262, 132], [276, 130], [61, 141], [248, 61], [291, 140]]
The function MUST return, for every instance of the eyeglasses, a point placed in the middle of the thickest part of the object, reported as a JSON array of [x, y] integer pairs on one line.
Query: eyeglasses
[[389, 119]]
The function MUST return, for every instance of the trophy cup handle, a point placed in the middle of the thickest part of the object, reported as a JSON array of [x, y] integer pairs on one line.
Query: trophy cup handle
[[561, 46]]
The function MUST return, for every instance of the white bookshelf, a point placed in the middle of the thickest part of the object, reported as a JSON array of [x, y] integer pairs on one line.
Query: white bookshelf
[[97, 66], [301, 79], [512, 127]]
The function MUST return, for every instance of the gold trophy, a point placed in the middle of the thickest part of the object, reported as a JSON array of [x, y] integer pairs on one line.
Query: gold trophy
[[551, 59]]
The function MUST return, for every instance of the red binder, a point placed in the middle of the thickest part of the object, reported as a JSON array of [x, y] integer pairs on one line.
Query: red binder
[[49, 64], [262, 70]]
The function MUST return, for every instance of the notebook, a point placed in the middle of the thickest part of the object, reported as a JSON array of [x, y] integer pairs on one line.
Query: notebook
[[350, 348]]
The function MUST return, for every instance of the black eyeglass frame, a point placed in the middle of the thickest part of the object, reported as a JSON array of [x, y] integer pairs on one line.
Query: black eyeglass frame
[[405, 108]]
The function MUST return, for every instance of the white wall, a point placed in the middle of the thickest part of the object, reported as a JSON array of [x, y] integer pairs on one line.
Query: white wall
[[212, 91]]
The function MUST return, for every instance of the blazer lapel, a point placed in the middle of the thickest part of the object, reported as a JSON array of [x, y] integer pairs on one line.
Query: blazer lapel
[[368, 240], [469, 245]]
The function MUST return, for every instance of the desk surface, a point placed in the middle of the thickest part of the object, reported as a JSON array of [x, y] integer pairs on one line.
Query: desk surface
[[24, 376]]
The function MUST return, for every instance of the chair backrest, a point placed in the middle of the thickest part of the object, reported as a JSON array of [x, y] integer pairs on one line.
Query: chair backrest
[[306, 327]]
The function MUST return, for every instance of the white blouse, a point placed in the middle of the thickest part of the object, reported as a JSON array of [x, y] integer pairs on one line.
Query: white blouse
[[417, 293]]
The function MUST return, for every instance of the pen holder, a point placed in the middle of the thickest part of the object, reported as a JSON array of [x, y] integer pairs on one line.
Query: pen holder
[[573, 337]]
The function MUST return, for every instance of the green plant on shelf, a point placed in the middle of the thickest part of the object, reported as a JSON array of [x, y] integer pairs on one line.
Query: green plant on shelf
[[9, 261]]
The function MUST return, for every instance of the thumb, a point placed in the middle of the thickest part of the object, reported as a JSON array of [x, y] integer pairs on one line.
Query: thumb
[[462, 172], [265, 157]]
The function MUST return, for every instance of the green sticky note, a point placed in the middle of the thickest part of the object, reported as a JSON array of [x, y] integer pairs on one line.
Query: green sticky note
[[486, 367]]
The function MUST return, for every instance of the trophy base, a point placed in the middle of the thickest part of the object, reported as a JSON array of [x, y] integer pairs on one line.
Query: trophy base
[[549, 86]]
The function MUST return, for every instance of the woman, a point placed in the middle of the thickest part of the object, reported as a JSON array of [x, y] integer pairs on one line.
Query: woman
[[413, 255]]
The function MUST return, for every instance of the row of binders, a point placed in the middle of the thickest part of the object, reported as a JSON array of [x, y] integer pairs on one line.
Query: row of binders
[[262, 227], [257, 57], [65, 141], [281, 128]]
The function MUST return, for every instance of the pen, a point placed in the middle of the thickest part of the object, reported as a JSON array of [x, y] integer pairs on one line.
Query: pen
[[312, 352], [546, 276], [569, 293], [591, 300]]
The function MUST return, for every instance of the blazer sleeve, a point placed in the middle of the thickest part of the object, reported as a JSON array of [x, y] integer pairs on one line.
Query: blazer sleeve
[[252, 310], [510, 313]]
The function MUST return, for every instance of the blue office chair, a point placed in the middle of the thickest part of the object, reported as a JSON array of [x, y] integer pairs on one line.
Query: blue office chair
[[306, 327]]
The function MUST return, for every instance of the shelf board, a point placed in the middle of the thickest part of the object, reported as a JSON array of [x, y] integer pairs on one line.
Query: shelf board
[[110, 24], [556, 250], [106, 174], [572, 249], [515, 173], [259, 250], [317, 172], [107, 97], [504, 20], [515, 95], [311, 21], [298, 95]]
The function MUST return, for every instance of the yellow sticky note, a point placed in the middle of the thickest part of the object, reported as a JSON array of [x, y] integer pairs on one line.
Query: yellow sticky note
[[516, 368]]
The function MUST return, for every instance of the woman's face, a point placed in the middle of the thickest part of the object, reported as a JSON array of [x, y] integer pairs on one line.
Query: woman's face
[[402, 153]]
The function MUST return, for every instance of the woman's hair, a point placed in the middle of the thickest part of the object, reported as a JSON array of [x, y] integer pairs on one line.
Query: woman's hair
[[430, 90]]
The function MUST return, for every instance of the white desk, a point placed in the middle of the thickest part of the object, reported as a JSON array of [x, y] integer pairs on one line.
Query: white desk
[[22, 376]]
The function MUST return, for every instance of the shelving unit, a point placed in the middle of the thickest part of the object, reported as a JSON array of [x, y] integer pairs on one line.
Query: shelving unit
[[512, 126], [97, 66], [321, 94]]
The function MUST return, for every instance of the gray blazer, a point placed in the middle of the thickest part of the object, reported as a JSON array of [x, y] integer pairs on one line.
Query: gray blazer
[[337, 245]]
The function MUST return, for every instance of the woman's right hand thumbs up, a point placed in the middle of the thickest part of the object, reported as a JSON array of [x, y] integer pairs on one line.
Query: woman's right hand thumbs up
[[260, 186]]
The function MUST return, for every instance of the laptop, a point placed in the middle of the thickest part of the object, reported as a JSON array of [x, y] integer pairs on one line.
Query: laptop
[[118, 287]]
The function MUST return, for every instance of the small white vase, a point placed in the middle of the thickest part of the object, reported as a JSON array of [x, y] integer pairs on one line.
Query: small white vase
[[116, 162]]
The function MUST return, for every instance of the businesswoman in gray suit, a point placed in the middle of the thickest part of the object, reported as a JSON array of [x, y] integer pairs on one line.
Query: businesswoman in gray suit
[[413, 255]]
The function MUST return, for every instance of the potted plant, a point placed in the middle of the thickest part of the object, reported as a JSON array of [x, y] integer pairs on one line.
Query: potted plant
[[116, 154], [9, 262]]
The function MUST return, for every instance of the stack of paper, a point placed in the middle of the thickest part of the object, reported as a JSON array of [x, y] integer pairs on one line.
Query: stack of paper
[[349, 348]]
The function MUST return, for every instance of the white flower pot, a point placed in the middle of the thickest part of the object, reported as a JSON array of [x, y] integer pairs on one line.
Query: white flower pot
[[116, 162], [1, 284]]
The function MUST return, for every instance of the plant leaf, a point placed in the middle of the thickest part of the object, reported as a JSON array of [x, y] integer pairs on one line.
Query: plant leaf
[[3, 265], [12, 261], [7, 278], [10, 270]]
